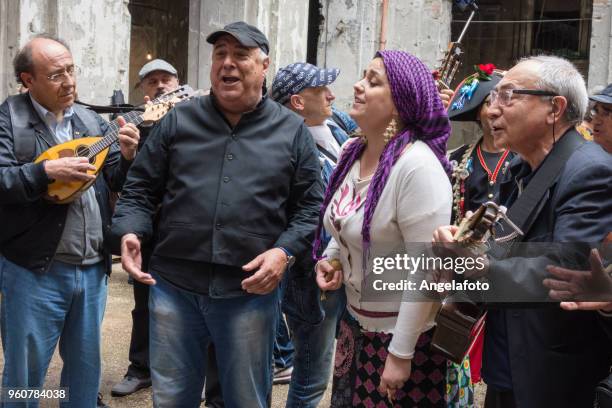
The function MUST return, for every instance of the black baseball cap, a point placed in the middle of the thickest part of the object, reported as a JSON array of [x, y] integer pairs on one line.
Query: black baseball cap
[[244, 33], [604, 96]]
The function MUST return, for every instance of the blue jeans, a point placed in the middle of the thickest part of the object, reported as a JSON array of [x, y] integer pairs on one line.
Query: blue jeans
[[181, 326], [66, 304], [283, 347], [314, 350]]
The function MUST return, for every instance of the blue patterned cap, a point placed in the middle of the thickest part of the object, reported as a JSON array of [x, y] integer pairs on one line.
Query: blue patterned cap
[[296, 77]]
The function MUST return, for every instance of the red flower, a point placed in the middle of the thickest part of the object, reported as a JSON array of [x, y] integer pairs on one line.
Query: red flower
[[486, 68]]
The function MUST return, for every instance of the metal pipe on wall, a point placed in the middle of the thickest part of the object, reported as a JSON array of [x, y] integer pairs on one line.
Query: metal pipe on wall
[[383, 25]]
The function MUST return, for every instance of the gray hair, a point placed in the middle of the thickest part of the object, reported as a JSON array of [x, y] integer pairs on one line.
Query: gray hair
[[262, 56], [560, 76]]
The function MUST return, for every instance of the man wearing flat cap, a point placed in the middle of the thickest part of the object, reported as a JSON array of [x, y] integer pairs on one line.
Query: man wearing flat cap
[[304, 89], [239, 184], [156, 78]]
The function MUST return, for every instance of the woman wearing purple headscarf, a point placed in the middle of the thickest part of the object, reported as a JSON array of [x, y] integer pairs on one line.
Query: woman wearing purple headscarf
[[389, 190]]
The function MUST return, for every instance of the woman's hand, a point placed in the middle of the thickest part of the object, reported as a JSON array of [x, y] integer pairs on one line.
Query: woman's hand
[[396, 373], [329, 277]]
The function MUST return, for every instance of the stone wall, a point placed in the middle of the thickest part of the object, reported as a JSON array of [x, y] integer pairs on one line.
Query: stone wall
[[98, 33], [284, 22], [351, 32], [600, 73]]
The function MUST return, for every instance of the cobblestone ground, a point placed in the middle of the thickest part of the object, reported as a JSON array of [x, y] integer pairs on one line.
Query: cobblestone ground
[[116, 337]]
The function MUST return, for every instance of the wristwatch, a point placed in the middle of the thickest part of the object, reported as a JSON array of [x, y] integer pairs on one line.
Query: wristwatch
[[290, 258]]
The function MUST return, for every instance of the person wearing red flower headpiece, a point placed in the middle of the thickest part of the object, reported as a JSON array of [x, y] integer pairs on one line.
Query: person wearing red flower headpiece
[[477, 169]]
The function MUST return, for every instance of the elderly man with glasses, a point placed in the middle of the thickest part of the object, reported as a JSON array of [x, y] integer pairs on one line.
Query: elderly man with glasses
[[54, 261], [541, 355]]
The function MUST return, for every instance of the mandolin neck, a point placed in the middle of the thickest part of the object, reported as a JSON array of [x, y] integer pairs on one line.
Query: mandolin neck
[[134, 117]]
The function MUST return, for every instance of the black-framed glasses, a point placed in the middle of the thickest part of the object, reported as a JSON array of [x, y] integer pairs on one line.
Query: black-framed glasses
[[601, 112], [504, 96], [62, 77]]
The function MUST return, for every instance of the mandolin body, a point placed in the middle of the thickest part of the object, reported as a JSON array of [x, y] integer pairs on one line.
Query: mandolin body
[[61, 192]]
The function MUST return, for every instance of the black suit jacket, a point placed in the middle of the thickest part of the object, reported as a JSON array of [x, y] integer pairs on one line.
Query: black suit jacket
[[557, 357]]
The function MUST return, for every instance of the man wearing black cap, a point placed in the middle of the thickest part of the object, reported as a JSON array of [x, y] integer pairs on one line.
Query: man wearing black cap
[[303, 88], [602, 118], [156, 78], [239, 182]]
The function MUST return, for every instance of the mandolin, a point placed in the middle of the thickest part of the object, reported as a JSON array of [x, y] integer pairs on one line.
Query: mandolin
[[459, 323], [452, 57], [96, 148]]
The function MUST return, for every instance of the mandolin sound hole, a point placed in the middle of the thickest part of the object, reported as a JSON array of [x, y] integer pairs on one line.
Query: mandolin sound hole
[[83, 151]]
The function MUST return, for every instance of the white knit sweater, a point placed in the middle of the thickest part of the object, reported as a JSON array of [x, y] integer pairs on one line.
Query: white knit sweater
[[416, 200]]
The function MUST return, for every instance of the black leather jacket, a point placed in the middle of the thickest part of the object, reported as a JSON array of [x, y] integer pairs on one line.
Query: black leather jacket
[[31, 226]]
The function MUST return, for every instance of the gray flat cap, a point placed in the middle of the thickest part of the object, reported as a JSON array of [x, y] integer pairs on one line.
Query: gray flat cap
[[156, 65]]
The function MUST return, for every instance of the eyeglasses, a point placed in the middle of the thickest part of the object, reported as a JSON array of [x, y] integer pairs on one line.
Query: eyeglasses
[[61, 77], [600, 112], [504, 96]]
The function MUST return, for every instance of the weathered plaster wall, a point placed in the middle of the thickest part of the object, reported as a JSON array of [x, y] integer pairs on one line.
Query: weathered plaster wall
[[8, 46], [351, 33], [284, 22], [601, 48], [98, 33]]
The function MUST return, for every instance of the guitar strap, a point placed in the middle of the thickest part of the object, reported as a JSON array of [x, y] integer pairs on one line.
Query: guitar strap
[[523, 211], [89, 119]]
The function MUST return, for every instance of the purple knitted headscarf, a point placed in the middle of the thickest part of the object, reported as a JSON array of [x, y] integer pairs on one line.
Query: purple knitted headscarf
[[416, 99]]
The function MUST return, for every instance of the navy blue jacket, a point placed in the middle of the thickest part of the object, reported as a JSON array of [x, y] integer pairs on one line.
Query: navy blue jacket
[[555, 357]]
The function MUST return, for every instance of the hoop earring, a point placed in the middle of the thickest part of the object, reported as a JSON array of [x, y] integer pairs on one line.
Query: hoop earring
[[390, 131]]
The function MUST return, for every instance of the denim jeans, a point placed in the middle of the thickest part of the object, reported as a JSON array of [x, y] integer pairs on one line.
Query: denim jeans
[[283, 347], [182, 324], [314, 351], [66, 304]]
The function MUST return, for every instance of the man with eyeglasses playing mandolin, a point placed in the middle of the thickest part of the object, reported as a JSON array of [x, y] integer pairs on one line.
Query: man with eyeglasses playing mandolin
[[558, 191], [54, 263]]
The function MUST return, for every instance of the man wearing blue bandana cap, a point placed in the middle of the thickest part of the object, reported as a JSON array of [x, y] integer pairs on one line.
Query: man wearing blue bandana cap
[[303, 88]]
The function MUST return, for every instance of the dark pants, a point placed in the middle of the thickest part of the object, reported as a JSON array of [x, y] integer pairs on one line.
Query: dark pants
[[499, 399], [139, 342]]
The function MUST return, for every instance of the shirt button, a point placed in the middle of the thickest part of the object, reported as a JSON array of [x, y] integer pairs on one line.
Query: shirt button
[[59, 225], [46, 258], [218, 226], [234, 137], [230, 156], [226, 179]]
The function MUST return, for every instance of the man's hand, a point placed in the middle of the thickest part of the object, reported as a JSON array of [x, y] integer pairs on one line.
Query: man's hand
[[328, 276], [603, 306], [131, 259], [445, 246], [587, 290], [445, 234], [446, 95], [129, 135], [395, 374], [69, 169], [269, 268]]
